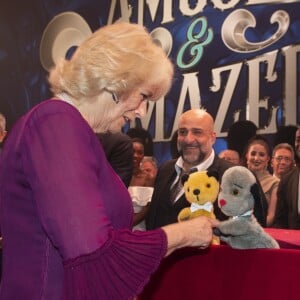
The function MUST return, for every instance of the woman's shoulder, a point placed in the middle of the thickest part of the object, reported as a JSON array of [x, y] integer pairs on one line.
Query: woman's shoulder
[[56, 110], [268, 181], [47, 115], [51, 106]]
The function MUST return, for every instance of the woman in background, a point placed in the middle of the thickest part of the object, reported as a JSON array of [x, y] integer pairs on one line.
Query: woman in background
[[66, 217], [258, 155], [138, 178]]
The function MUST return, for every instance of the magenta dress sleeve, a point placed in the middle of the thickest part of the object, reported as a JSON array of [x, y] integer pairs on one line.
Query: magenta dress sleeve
[[85, 209]]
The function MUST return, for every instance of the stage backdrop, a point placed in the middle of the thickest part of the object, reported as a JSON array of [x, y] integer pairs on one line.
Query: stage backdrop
[[238, 59]]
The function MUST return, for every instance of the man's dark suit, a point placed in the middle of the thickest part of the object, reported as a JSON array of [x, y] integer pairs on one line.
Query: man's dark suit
[[163, 212], [287, 215]]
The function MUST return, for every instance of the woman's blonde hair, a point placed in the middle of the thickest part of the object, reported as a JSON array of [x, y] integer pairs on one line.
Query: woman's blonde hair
[[116, 58]]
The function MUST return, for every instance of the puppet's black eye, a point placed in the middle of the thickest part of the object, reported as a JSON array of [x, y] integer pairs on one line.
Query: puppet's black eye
[[188, 189], [208, 185], [235, 192]]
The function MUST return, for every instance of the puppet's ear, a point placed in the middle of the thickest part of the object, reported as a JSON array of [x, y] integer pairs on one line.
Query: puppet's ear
[[213, 173]]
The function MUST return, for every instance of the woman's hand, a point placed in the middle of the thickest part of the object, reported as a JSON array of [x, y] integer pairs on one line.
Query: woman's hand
[[197, 232]]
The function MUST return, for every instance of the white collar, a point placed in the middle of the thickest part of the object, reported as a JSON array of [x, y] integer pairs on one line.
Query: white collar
[[201, 167]]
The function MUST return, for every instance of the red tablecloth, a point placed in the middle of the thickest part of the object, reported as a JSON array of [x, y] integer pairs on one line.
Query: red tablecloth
[[221, 273], [287, 239]]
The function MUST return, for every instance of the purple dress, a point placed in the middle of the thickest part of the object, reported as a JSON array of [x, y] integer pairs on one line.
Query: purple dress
[[65, 216]]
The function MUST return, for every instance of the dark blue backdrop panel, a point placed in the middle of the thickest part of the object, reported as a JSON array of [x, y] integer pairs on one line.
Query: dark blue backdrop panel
[[238, 59]]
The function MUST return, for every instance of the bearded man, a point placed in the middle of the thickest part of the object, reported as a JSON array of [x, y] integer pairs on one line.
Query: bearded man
[[196, 137]]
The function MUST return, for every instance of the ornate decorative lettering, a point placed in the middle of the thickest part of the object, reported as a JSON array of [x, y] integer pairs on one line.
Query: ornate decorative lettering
[[195, 43], [235, 26]]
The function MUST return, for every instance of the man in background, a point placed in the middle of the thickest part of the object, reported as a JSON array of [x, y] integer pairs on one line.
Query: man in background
[[287, 213], [282, 159], [150, 166], [230, 155]]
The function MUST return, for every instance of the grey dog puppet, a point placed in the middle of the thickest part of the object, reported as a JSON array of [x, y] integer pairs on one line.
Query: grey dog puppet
[[236, 198]]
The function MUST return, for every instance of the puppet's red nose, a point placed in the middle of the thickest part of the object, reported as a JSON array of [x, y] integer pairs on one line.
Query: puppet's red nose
[[222, 202]]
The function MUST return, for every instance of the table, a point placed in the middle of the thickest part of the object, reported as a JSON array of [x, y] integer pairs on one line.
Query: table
[[221, 273]]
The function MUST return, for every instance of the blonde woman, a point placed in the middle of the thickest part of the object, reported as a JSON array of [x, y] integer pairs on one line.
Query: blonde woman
[[66, 217]]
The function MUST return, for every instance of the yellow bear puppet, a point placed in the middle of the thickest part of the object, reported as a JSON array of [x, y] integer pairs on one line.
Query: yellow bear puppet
[[201, 189]]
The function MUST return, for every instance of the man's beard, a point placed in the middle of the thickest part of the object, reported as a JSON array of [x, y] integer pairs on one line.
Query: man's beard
[[192, 159]]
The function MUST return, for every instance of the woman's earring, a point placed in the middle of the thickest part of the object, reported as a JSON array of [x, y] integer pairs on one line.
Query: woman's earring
[[115, 98]]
